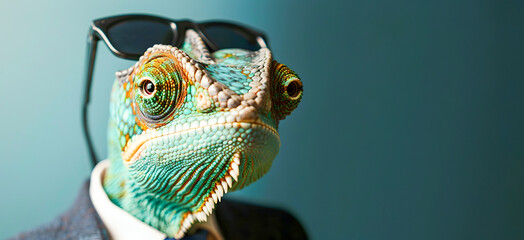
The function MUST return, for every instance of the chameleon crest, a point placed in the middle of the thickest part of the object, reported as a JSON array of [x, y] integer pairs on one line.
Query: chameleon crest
[[187, 126]]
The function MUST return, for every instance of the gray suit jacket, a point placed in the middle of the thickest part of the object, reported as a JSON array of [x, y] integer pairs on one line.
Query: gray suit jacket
[[236, 220]]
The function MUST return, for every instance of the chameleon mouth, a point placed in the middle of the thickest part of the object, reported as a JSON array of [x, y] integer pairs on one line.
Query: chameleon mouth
[[132, 151], [215, 196]]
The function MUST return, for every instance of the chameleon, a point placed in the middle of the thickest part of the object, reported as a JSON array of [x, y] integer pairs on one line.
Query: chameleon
[[187, 126]]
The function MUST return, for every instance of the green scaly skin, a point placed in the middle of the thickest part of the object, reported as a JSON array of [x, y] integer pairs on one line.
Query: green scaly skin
[[187, 126]]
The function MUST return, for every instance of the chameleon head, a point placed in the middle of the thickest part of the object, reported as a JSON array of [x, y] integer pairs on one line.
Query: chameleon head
[[191, 125]]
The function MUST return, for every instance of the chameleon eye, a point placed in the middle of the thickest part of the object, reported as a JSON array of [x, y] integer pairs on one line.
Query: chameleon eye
[[294, 88], [147, 87], [159, 89]]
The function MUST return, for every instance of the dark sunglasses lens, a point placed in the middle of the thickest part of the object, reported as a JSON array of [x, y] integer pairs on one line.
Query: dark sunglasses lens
[[224, 36], [135, 36]]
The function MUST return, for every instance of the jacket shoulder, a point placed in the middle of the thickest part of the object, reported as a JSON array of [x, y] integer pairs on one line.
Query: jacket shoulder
[[80, 222], [240, 220]]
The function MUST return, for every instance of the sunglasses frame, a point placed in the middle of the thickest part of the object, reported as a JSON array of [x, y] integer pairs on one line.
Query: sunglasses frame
[[100, 27]]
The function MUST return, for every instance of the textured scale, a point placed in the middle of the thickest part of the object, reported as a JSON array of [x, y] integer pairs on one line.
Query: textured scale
[[187, 126]]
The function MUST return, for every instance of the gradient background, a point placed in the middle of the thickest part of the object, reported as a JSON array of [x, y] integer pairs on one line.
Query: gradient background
[[410, 126]]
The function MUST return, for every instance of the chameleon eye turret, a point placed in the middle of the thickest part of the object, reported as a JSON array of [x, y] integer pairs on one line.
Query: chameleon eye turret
[[287, 90], [159, 89]]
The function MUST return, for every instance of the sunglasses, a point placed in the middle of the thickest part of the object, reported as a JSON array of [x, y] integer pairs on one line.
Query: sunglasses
[[129, 36]]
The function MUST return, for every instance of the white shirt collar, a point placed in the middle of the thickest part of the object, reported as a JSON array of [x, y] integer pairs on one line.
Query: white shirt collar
[[122, 225]]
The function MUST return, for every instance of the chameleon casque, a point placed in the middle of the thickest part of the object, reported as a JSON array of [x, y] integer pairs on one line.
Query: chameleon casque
[[186, 126]]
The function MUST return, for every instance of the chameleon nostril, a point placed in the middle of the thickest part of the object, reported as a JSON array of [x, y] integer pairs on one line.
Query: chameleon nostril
[[248, 114], [203, 102]]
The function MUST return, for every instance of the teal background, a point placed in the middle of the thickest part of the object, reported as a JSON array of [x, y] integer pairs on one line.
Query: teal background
[[410, 125]]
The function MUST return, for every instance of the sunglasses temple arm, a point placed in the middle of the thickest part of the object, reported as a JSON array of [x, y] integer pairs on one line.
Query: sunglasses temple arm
[[92, 42]]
